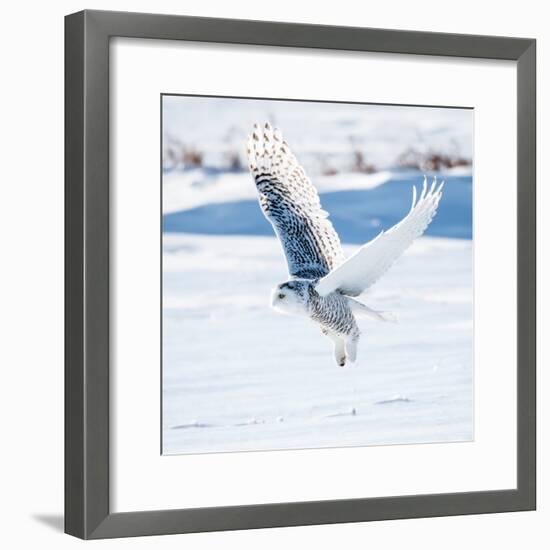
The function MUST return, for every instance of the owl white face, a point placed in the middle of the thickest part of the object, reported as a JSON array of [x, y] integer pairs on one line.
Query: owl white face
[[289, 298]]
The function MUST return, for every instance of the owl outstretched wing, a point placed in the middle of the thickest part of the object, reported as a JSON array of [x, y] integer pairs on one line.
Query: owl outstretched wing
[[373, 259], [291, 203]]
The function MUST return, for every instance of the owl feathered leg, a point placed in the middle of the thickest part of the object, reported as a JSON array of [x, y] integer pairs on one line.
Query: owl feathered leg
[[339, 346]]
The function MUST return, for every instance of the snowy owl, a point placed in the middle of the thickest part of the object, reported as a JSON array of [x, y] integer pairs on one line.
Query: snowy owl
[[322, 285]]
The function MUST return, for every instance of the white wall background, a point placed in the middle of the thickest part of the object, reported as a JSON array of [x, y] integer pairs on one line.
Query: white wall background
[[31, 288]]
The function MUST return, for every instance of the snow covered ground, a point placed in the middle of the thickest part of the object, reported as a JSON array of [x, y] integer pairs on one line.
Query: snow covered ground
[[239, 376], [187, 189], [322, 135]]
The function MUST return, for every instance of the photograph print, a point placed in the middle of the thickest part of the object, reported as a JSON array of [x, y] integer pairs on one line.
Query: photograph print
[[317, 274]]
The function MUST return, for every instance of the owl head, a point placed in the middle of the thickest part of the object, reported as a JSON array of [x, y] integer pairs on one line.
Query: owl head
[[291, 297]]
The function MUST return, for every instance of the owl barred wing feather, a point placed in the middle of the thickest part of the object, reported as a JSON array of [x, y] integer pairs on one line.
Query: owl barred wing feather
[[291, 203], [373, 259]]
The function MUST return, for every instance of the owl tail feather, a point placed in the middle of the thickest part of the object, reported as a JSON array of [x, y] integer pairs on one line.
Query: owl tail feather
[[361, 310]]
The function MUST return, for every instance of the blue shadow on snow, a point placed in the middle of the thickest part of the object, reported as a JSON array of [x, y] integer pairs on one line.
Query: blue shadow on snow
[[357, 215]]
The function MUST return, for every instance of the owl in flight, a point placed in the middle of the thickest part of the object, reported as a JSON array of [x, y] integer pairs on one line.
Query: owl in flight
[[322, 285]]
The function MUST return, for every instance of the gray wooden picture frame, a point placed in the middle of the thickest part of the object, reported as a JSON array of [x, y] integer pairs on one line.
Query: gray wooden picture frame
[[87, 35]]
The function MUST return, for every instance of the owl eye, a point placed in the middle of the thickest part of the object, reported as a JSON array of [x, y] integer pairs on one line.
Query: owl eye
[[281, 296]]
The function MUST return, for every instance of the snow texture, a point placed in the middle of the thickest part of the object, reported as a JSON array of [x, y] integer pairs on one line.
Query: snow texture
[[321, 135], [239, 376]]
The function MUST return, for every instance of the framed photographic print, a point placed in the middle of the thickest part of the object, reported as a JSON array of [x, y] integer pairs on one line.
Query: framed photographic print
[[300, 274]]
